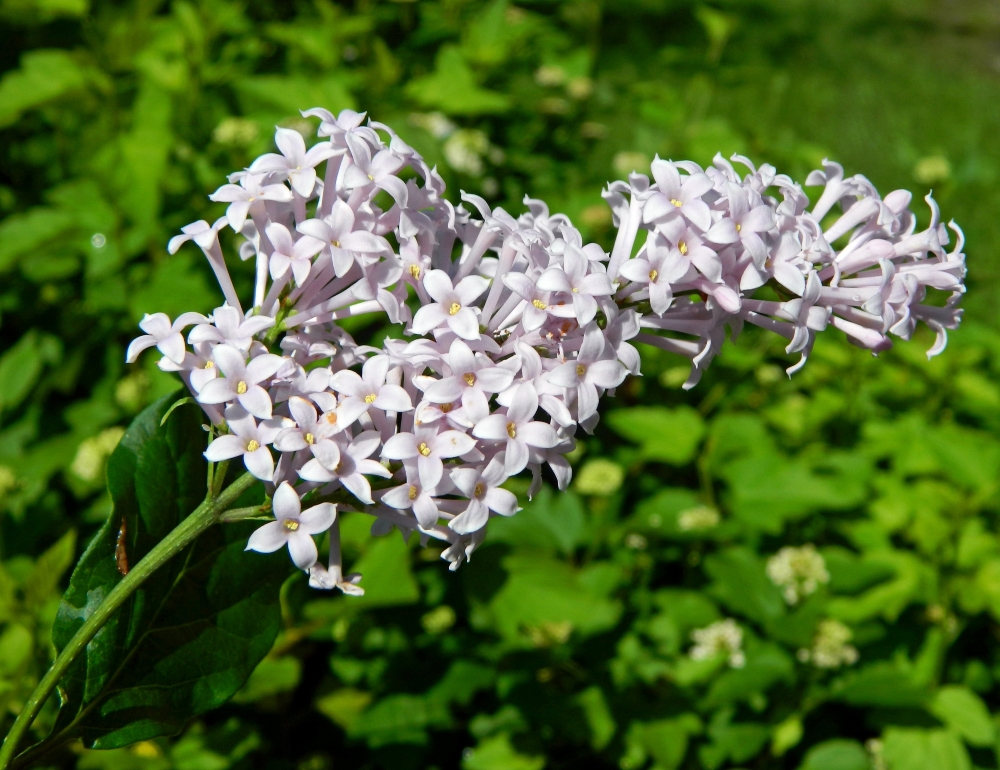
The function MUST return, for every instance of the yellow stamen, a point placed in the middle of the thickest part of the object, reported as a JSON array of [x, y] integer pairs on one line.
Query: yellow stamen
[[470, 379], [336, 244], [290, 525], [455, 307], [415, 271], [209, 364], [253, 445], [241, 387], [576, 290], [370, 398], [739, 227], [652, 276], [424, 449], [478, 491], [331, 417], [310, 438], [580, 370], [445, 408], [512, 429], [676, 202], [539, 304], [371, 178], [413, 493], [682, 247]]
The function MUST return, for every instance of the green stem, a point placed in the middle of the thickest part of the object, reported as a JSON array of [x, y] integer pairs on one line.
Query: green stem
[[203, 517]]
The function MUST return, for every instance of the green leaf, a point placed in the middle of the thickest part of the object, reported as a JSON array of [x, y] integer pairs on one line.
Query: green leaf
[[765, 666], [740, 583], [388, 579], [664, 740], [837, 755], [22, 234], [498, 753], [965, 713], [272, 676], [344, 706], [191, 635], [20, 367], [879, 684], [400, 719], [666, 435], [914, 749], [44, 75], [600, 719], [280, 97], [544, 600], [452, 88], [550, 522]]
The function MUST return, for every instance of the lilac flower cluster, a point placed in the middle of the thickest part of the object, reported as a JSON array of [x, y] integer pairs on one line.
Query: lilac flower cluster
[[516, 327]]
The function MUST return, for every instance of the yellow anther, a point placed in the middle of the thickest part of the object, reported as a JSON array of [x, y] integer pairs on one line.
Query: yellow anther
[[330, 417], [580, 370], [478, 491], [739, 227], [445, 408], [512, 429], [336, 244], [413, 493], [209, 364], [652, 276], [470, 379], [415, 272], [241, 387], [676, 202], [455, 307], [576, 290], [424, 449], [310, 438], [370, 398], [371, 178], [682, 247], [539, 304], [253, 445], [290, 525]]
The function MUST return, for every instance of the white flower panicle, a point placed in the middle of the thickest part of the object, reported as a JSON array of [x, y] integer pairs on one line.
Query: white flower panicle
[[798, 572], [830, 647], [516, 327], [724, 637]]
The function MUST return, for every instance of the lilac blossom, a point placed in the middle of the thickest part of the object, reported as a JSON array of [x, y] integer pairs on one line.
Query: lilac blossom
[[293, 527], [518, 328]]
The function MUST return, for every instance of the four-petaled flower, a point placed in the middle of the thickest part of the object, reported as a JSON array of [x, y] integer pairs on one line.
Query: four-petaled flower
[[293, 527]]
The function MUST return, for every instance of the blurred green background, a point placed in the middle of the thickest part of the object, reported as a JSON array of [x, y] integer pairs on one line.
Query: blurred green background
[[567, 641]]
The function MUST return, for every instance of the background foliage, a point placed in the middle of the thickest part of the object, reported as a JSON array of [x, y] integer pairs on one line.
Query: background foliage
[[567, 639]]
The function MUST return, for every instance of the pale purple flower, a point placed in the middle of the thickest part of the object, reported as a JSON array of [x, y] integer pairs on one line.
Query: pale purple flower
[[677, 196], [430, 448], [663, 266], [295, 162], [336, 230], [452, 305], [229, 325], [482, 486], [536, 309], [239, 380], [291, 254], [744, 224], [350, 466], [164, 335], [589, 371], [471, 379], [415, 496], [517, 428], [370, 389], [248, 440], [241, 197], [293, 527], [201, 232], [579, 287]]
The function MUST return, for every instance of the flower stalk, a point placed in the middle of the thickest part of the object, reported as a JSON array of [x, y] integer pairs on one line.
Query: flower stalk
[[210, 512]]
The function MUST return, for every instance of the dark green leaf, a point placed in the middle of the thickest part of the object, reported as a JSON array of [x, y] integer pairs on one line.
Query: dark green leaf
[[189, 638]]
